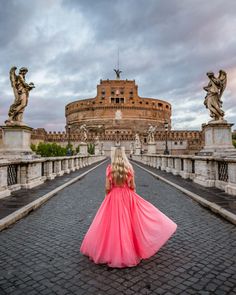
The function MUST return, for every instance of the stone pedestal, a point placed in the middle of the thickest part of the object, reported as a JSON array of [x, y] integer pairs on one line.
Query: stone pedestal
[[218, 139], [16, 142], [83, 149], [137, 150], [97, 150], [151, 148]]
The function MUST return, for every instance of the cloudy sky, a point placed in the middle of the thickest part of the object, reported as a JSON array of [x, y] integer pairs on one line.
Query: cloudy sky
[[69, 45]]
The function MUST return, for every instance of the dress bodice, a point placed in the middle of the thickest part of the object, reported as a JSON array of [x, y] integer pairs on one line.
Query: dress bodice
[[109, 175]]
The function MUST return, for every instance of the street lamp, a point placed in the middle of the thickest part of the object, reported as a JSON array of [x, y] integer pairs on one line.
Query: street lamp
[[166, 151], [68, 146]]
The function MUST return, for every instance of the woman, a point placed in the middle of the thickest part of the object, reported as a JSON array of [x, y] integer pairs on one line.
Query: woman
[[126, 227]]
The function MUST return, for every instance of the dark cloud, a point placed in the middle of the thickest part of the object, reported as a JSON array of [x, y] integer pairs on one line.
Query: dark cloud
[[69, 45]]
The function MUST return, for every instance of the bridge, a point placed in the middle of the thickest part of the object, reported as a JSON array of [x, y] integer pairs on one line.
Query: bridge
[[39, 254]]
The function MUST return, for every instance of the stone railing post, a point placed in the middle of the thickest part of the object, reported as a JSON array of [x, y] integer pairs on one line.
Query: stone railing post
[[205, 172], [169, 166], [49, 169], [71, 164], [65, 166], [158, 162], [76, 163], [177, 168], [58, 168], [30, 174], [230, 188], [163, 163], [4, 191]]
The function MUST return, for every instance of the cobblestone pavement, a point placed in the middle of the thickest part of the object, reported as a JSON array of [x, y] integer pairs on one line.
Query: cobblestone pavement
[[40, 253]]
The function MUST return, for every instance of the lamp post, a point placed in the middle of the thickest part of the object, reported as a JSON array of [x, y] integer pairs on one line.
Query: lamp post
[[68, 147], [166, 151]]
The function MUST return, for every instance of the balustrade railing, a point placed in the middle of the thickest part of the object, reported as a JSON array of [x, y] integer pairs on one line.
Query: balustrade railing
[[30, 173], [207, 171], [12, 174], [223, 171]]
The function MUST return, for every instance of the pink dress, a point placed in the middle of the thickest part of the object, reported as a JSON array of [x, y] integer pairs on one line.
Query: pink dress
[[126, 228]]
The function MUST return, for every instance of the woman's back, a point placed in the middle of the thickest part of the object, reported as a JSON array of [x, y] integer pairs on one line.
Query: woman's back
[[127, 180]]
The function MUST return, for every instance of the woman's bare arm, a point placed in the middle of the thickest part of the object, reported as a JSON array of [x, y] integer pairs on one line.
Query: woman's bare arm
[[108, 186], [132, 184]]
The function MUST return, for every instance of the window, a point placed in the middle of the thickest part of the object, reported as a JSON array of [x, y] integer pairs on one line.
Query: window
[[112, 99], [122, 100], [160, 104], [117, 100]]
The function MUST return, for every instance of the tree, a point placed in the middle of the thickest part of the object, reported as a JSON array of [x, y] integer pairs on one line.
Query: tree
[[50, 150], [91, 148]]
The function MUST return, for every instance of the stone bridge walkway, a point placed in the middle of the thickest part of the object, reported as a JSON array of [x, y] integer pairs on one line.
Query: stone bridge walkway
[[40, 253]]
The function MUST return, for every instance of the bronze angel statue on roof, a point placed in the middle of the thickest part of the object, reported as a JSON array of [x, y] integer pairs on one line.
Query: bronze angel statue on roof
[[21, 92], [215, 89], [118, 72]]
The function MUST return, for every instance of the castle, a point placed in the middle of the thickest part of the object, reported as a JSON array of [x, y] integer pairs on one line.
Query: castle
[[117, 113]]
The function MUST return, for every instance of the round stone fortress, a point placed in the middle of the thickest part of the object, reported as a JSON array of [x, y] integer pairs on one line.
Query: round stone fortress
[[117, 108]]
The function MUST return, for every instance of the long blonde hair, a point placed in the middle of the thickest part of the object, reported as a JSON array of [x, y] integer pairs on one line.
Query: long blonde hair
[[120, 165]]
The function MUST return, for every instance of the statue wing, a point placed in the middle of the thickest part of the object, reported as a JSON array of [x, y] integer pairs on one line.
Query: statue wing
[[13, 79], [223, 81]]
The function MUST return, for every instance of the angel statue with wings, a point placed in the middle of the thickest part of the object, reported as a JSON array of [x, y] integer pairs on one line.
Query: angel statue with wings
[[21, 92], [118, 72], [84, 131], [215, 89], [151, 133]]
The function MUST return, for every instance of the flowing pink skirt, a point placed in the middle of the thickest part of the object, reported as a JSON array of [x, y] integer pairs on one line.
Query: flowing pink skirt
[[125, 230]]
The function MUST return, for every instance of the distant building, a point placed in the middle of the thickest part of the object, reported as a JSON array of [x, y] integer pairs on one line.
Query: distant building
[[116, 114]]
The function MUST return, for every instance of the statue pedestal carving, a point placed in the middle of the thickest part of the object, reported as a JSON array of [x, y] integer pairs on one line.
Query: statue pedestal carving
[[151, 148], [16, 142], [218, 139], [83, 149]]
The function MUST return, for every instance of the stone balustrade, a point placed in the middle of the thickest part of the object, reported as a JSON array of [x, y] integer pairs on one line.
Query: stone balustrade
[[205, 170], [26, 174]]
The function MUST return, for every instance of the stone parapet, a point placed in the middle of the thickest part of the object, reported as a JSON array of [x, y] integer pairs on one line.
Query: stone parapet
[[17, 174], [207, 171]]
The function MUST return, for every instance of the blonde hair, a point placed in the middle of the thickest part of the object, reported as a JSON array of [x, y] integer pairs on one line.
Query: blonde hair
[[120, 165]]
